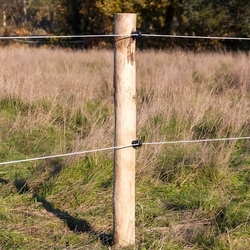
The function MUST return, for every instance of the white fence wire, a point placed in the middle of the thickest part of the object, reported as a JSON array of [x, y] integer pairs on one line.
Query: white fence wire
[[136, 34], [134, 145]]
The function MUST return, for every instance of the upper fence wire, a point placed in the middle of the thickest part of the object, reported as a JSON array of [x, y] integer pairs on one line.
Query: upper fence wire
[[136, 34]]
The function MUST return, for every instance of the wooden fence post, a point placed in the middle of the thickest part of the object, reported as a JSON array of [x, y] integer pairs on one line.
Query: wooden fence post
[[125, 130]]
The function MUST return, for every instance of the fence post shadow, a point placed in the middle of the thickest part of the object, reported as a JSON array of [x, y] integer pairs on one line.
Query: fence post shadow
[[3, 181], [74, 224]]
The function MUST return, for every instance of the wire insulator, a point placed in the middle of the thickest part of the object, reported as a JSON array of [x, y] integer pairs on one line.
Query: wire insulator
[[136, 34], [137, 143]]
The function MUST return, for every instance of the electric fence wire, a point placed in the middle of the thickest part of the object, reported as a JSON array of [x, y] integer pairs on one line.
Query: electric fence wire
[[136, 34], [197, 141], [196, 37], [137, 144], [66, 36], [66, 154]]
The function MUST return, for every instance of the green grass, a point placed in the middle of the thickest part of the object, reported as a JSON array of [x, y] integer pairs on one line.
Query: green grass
[[188, 196]]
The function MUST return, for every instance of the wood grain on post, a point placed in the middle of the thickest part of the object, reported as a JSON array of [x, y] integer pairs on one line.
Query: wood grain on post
[[125, 130]]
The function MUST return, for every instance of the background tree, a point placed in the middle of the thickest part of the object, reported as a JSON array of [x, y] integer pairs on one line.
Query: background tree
[[180, 17], [14, 11]]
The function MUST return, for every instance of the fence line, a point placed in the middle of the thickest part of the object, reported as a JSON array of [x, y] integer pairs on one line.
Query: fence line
[[134, 144], [197, 141], [136, 34], [196, 37], [119, 235], [66, 36], [67, 154]]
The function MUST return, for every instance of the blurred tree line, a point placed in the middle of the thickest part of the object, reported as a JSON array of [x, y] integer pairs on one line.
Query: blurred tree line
[[175, 17]]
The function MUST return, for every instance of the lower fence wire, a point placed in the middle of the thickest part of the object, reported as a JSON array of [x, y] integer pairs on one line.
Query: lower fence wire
[[134, 144], [197, 141], [65, 155]]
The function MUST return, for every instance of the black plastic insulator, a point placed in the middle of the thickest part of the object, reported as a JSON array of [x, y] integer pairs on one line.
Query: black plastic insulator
[[137, 143], [136, 34]]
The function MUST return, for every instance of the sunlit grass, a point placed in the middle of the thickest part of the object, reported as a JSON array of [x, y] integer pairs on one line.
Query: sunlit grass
[[187, 195]]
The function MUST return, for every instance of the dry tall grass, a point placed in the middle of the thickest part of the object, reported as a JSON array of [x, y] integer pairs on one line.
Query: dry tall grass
[[65, 103], [169, 84]]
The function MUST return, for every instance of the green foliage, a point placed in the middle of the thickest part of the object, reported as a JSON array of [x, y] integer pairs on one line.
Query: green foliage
[[175, 163], [240, 155]]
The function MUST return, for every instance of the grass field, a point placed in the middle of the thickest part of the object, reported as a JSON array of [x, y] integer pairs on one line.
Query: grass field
[[188, 196]]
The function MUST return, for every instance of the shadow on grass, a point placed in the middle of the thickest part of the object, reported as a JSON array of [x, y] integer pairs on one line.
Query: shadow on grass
[[3, 181], [76, 225]]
